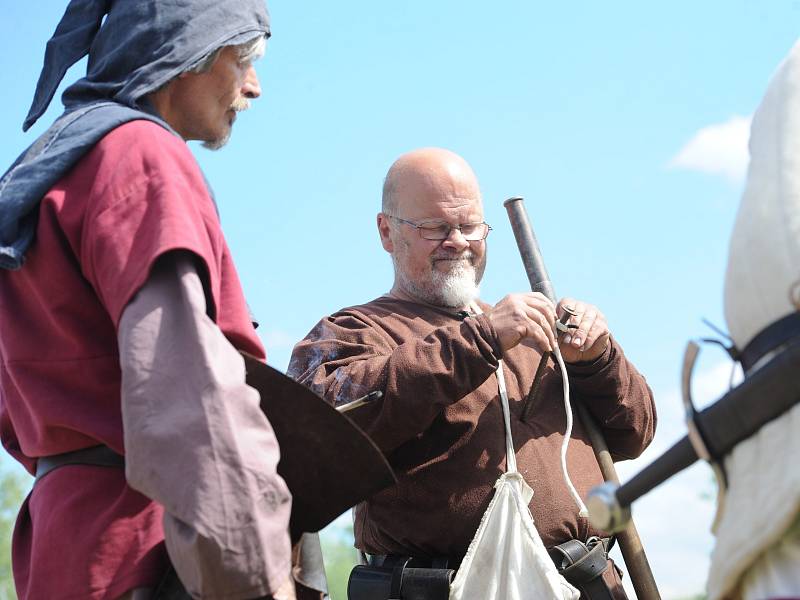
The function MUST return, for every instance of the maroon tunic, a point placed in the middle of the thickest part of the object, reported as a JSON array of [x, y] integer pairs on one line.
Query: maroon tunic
[[440, 421], [83, 532]]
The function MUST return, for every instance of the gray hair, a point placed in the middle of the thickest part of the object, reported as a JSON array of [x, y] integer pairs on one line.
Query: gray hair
[[388, 201], [248, 52]]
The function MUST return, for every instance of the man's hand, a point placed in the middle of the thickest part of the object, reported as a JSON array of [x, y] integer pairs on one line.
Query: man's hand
[[589, 340], [524, 316]]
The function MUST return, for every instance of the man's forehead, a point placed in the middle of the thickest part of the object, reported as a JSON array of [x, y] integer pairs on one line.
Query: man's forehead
[[439, 190], [441, 208]]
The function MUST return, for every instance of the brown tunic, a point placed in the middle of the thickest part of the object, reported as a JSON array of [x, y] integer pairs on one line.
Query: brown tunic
[[440, 421]]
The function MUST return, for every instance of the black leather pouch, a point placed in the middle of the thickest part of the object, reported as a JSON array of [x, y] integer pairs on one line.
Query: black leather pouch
[[399, 582]]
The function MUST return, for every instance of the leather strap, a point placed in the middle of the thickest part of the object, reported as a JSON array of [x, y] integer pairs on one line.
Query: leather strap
[[97, 456], [771, 337], [583, 566]]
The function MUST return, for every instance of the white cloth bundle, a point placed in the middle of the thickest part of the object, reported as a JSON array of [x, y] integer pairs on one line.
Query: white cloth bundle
[[506, 559]]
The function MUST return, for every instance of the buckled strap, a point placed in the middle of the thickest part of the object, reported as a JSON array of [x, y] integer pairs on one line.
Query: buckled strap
[[586, 567], [568, 553], [98, 456], [583, 566]]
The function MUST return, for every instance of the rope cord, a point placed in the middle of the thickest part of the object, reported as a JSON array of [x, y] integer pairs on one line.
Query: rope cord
[[511, 459], [511, 456], [564, 444]]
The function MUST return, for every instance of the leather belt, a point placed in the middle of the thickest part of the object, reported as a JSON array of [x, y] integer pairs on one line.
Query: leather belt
[[97, 456], [773, 336], [415, 578]]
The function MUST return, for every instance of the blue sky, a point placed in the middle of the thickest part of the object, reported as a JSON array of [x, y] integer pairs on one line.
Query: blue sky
[[624, 125]]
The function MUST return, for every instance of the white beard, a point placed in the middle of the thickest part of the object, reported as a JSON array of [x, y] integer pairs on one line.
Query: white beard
[[455, 288]]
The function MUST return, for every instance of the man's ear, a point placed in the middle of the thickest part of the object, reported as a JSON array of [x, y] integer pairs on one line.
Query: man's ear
[[384, 231]]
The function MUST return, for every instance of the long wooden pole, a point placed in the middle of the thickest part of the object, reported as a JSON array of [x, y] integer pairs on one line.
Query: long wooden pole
[[644, 584]]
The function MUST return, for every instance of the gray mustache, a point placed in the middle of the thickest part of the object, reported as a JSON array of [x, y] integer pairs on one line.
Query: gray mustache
[[454, 259], [240, 104]]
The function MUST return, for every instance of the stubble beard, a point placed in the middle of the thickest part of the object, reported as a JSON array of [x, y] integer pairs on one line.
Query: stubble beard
[[237, 106], [454, 288], [219, 142]]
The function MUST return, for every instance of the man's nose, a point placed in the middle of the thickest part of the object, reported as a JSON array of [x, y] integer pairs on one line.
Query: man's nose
[[251, 88], [455, 240]]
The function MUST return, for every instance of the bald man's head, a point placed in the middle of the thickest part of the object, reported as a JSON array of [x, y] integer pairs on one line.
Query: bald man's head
[[432, 225], [428, 172]]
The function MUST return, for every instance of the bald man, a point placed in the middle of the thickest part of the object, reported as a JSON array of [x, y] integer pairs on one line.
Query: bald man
[[434, 356]]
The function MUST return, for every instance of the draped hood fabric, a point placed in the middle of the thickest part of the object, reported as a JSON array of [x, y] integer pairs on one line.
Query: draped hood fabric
[[762, 285], [134, 48]]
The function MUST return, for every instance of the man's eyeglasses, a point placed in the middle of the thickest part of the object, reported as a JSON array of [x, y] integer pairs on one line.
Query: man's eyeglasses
[[472, 232]]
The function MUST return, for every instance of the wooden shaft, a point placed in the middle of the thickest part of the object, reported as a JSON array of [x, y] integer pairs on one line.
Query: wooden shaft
[[629, 542]]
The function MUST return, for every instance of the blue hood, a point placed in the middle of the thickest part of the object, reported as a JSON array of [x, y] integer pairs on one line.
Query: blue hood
[[134, 47]]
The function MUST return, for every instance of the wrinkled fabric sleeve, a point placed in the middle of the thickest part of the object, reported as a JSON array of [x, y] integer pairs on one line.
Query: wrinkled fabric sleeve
[[618, 397], [156, 201], [197, 442], [346, 356]]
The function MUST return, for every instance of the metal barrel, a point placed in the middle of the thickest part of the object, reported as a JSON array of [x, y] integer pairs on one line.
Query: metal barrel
[[529, 248], [680, 456], [630, 544], [763, 396], [610, 505]]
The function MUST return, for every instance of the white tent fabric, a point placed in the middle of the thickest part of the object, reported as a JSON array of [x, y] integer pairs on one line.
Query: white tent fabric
[[762, 285], [506, 559]]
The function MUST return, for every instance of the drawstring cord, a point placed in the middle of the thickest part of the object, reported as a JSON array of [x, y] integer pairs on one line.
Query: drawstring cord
[[511, 459], [582, 511]]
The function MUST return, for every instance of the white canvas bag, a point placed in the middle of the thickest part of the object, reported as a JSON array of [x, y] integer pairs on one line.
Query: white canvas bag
[[506, 559]]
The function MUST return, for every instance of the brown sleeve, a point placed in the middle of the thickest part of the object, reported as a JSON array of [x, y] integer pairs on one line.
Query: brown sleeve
[[347, 356], [619, 398]]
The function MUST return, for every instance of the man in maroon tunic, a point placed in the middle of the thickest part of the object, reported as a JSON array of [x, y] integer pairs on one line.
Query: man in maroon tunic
[[439, 421], [119, 335]]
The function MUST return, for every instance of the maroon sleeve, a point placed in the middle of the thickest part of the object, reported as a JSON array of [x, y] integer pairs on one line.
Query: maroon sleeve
[[149, 197], [346, 356], [618, 396]]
